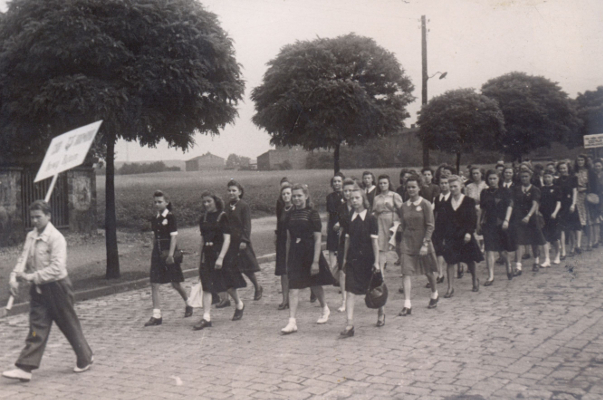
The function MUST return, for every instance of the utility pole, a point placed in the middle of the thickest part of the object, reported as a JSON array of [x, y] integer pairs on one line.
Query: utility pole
[[424, 83]]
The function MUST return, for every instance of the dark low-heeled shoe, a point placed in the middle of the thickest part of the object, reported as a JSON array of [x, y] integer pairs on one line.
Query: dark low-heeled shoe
[[380, 322], [405, 311], [449, 294], [535, 267], [202, 325], [428, 285], [188, 311], [440, 279], [154, 321], [223, 304], [562, 258], [258, 293], [401, 290], [578, 250], [518, 272], [510, 276], [313, 297], [489, 282], [346, 333], [238, 314], [283, 306], [433, 303], [476, 287], [460, 272]]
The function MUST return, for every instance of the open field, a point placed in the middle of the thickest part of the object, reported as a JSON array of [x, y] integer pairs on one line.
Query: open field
[[134, 193]]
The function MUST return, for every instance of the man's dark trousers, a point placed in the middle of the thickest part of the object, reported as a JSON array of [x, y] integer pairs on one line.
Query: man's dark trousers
[[53, 304]]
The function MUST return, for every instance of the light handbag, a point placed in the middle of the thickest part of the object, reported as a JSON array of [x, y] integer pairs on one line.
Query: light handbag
[[195, 298]]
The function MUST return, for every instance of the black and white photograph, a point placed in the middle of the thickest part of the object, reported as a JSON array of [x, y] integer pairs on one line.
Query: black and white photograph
[[301, 199]]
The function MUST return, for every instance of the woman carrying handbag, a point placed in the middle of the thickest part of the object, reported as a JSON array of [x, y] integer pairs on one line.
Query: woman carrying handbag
[[361, 257]]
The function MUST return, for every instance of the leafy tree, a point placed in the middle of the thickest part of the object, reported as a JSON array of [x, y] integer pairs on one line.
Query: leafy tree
[[461, 121], [233, 161], [327, 92], [589, 106], [152, 70], [536, 110]]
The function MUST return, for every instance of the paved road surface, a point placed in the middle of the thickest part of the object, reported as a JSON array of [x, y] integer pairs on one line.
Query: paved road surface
[[537, 337]]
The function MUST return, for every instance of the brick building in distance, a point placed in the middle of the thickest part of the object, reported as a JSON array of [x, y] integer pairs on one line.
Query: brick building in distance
[[283, 158], [206, 162]]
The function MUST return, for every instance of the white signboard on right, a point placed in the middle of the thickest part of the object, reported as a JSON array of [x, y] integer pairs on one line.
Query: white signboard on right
[[593, 141]]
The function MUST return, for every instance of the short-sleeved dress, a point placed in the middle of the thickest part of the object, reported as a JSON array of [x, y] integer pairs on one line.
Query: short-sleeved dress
[[530, 233], [494, 204], [417, 226], [302, 224], [280, 266], [344, 215], [239, 221], [164, 227], [549, 196], [437, 238], [568, 221], [361, 258], [460, 222], [334, 201], [213, 227], [385, 209]]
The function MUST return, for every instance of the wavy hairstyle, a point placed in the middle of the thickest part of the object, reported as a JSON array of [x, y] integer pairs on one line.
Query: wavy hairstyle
[[217, 199]]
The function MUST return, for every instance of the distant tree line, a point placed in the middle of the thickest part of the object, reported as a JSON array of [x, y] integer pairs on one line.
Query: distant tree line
[[146, 168]]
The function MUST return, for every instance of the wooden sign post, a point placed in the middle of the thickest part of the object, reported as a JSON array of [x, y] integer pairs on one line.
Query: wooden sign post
[[65, 152]]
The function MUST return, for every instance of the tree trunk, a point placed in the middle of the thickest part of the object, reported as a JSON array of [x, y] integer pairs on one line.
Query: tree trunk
[[336, 159], [425, 154], [110, 217], [458, 163]]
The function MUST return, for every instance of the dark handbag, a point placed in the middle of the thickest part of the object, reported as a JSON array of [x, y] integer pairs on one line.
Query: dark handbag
[[178, 256], [376, 295]]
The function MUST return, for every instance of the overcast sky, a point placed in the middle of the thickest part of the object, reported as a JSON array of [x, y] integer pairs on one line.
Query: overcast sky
[[472, 40]]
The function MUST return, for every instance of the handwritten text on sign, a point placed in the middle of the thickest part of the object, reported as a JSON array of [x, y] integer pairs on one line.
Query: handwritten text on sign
[[67, 150], [593, 141]]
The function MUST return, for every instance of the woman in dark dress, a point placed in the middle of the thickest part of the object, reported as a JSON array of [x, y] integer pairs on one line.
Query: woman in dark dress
[[460, 245], [370, 188], [343, 216], [528, 229], [163, 267], [306, 265], [439, 208], [334, 201], [550, 205], [361, 257], [280, 266], [217, 274], [241, 250], [496, 204], [569, 221]]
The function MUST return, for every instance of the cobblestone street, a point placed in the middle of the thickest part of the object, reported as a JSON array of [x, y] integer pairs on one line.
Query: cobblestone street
[[539, 336]]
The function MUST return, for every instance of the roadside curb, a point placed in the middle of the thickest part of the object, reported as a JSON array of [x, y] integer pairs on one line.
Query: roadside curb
[[127, 286]]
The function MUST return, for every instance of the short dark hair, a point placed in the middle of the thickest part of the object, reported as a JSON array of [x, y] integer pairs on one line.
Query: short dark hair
[[232, 182], [40, 205], [427, 169]]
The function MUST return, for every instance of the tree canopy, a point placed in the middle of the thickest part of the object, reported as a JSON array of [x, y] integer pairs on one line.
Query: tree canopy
[[152, 70], [589, 106], [326, 92], [536, 111], [461, 121]]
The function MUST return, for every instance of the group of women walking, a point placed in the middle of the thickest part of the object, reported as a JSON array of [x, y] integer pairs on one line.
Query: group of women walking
[[434, 224]]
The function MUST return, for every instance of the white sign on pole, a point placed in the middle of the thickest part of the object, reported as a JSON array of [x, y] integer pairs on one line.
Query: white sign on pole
[[593, 141], [67, 150]]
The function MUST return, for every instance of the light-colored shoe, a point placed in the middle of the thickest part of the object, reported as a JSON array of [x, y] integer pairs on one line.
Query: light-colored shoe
[[557, 261], [17, 373], [342, 308], [545, 264], [84, 369], [325, 316], [290, 328]]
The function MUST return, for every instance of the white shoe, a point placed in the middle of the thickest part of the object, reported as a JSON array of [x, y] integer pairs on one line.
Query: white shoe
[[342, 308], [84, 369], [325, 316], [17, 373], [545, 264], [290, 328]]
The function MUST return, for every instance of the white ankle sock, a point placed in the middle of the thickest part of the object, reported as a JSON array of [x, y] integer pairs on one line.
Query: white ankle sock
[[434, 295], [407, 303], [206, 317], [156, 313], [518, 266]]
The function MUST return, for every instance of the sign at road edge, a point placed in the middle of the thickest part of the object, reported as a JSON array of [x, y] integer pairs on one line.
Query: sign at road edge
[[68, 150], [593, 141]]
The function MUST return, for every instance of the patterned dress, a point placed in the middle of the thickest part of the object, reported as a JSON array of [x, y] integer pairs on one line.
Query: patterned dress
[[385, 209], [417, 226]]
